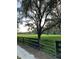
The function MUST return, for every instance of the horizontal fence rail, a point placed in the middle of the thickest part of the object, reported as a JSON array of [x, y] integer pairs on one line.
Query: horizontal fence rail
[[53, 48]]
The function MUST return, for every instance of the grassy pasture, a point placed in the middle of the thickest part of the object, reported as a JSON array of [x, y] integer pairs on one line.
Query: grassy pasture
[[43, 36], [48, 40]]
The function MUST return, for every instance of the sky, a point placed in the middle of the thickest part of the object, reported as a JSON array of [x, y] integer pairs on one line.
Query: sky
[[22, 28]]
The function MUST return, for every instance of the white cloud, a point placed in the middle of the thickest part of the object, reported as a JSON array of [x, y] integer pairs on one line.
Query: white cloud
[[22, 28]]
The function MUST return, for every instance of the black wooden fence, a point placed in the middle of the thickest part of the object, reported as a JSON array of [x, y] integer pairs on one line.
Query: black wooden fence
[[58, 49], [53, 49]]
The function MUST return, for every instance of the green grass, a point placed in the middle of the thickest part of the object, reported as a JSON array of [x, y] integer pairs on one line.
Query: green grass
[[43, 36], [48, 40]]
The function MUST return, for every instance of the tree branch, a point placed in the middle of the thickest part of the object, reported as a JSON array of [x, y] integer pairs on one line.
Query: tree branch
[[50, 26], [45, 19]]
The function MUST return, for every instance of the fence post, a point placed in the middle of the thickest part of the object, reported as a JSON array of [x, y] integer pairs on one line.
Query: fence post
[[58, 49], [23, 39], [55, 48]]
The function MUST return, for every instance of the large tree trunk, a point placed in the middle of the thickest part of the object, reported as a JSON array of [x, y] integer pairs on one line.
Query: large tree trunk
[[39, 32], [39, 38], [39, 35]]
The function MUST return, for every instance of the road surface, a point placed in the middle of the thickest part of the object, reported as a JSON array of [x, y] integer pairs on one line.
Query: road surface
[[23, 54]]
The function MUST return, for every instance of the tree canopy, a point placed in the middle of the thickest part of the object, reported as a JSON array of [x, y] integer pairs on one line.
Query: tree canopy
[[44, 14]]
